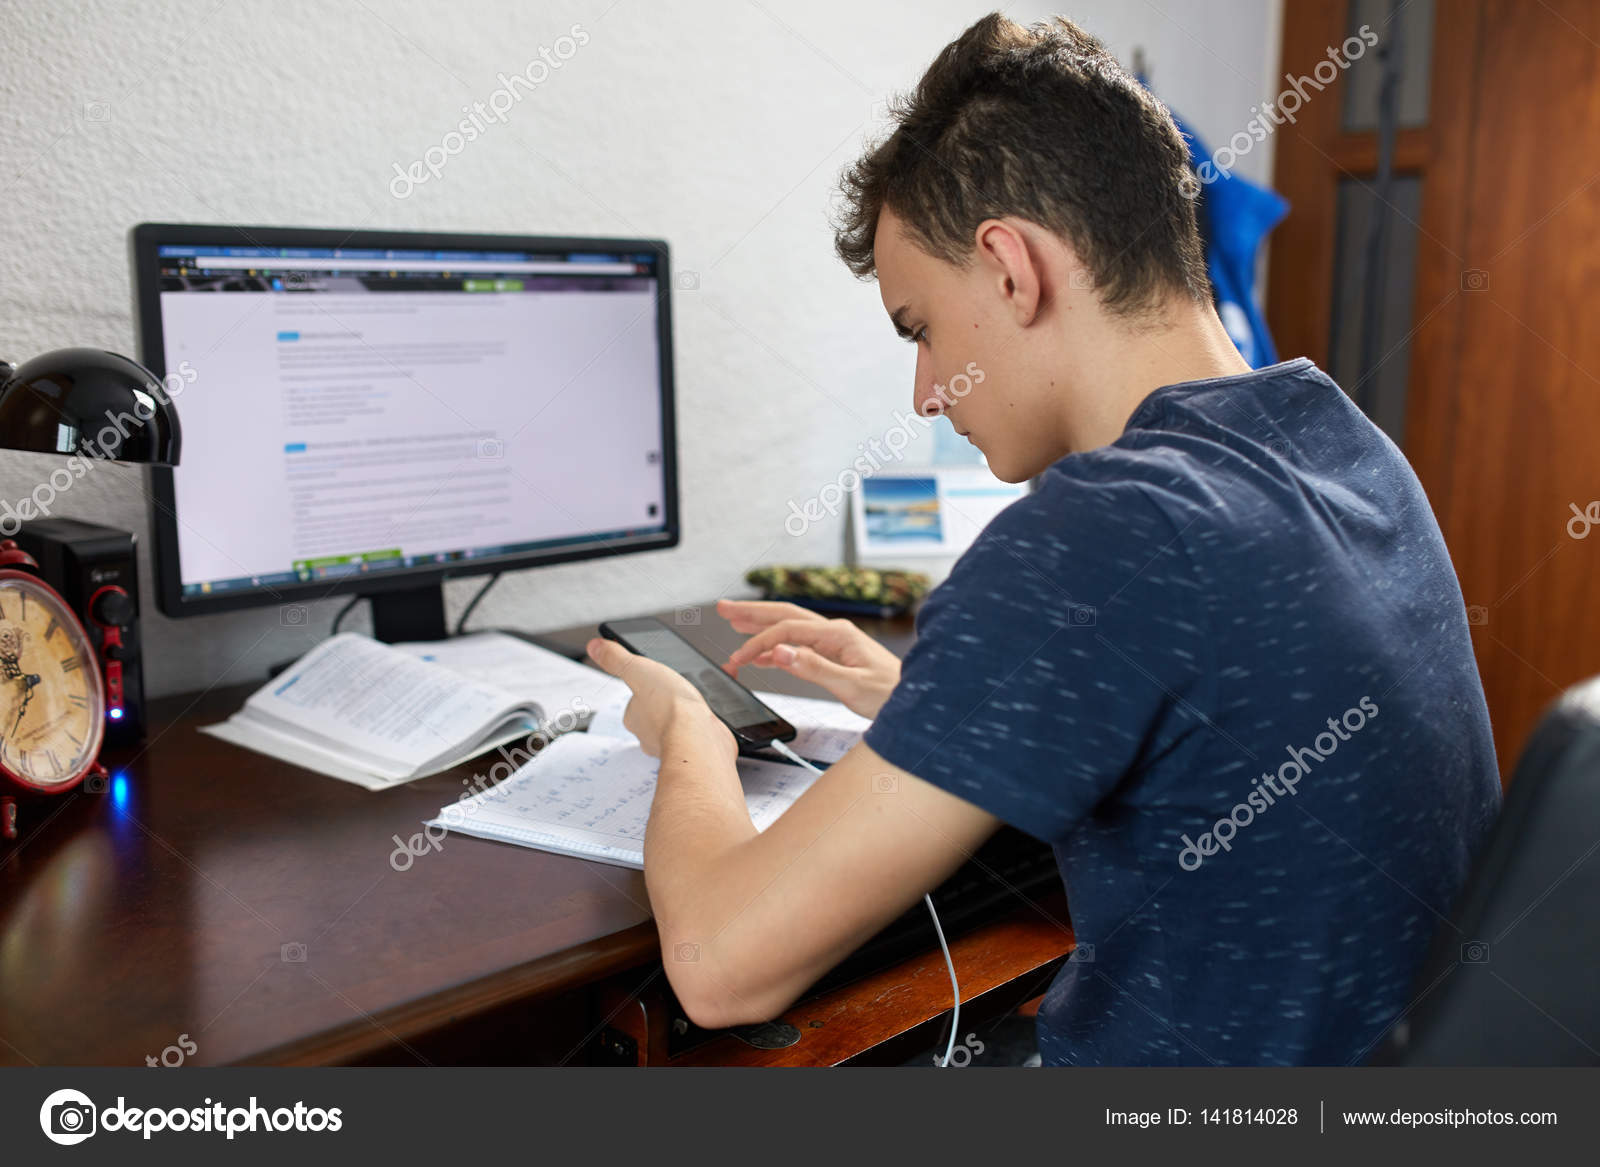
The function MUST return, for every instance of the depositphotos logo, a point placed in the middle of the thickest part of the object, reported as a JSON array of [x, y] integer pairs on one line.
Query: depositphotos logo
[[69, 1116]]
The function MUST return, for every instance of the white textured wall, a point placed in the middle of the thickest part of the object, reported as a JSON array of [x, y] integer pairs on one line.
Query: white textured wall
[[719, 126]]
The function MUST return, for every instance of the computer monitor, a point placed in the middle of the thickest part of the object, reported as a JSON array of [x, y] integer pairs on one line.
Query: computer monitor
[[374, 412]]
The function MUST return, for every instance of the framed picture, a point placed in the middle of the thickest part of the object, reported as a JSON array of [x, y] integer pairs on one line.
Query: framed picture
[[931, 511]]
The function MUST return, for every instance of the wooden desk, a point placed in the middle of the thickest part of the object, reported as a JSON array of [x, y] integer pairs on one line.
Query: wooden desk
[[252, 906]]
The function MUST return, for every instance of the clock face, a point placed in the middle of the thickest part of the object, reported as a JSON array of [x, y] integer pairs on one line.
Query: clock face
[[52, 703]]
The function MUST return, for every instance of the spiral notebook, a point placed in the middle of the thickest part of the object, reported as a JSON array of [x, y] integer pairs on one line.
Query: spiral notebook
[[589, 796]]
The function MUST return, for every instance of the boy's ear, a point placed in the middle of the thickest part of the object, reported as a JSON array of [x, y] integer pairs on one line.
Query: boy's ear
[[1007, 256]]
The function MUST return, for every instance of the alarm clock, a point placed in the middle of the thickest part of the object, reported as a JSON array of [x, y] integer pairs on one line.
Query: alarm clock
[[52, 697]]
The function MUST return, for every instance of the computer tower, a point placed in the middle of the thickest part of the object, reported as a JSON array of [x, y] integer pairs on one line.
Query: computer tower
[[95, 570]]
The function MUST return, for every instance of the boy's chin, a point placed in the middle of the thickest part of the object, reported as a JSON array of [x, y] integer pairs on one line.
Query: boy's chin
[[1010, 468]]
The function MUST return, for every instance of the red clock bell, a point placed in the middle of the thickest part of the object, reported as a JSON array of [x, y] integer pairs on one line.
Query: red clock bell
[[52, 698]]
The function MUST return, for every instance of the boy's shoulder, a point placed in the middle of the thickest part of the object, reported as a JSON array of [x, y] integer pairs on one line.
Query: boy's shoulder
[[1091, 534], [1103, 505]]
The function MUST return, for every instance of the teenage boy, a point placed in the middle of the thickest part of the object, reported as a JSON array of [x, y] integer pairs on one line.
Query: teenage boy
[[1218, 658]]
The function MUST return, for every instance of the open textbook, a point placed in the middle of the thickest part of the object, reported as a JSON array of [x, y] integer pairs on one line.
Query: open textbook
[[378, 714], [589, 794]]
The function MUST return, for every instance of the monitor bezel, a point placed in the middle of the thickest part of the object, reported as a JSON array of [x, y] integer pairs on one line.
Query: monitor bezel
[[146, 239]]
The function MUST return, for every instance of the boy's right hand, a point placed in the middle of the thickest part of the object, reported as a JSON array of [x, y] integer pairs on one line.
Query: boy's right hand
[[835, 654]]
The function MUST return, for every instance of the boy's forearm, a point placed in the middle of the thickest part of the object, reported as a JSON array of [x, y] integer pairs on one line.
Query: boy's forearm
[[697, 819]]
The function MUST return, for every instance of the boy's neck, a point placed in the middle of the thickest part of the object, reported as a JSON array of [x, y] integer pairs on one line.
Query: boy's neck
[[1187, 343]]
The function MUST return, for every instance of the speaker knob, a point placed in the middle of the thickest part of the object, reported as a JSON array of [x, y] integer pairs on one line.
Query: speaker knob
[[112, 607]]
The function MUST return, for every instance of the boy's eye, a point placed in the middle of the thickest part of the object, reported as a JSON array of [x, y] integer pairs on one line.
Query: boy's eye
[[919, 336]]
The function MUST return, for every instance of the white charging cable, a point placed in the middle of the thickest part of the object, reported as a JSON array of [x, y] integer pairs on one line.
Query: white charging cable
[[955, 985]]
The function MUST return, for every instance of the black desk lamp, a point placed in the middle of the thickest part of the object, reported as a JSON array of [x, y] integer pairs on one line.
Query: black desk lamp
[[87, 401]]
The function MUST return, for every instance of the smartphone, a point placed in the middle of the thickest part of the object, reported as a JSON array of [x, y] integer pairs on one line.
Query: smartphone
[[753, 724]]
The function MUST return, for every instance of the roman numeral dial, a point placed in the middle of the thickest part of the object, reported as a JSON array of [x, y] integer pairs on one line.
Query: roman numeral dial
[[52, 699]]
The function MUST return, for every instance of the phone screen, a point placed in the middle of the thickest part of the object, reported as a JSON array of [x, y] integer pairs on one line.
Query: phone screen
[[735, 705]]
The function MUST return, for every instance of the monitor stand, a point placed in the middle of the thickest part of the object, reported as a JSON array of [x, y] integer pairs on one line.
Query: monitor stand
[[411, 614], [418, 614]]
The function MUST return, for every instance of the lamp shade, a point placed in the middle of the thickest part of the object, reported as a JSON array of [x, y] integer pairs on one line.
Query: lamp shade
[[91, 402]]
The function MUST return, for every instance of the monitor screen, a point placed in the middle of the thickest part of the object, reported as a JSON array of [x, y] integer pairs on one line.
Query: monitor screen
[[403, 404]]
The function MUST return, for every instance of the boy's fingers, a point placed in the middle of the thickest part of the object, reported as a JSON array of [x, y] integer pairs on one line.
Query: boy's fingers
[[809, 665], [799, 631], [754, 615], [608, 654]]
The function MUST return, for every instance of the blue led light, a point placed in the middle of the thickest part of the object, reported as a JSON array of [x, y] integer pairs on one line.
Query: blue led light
[[119, 790], [116, 714]]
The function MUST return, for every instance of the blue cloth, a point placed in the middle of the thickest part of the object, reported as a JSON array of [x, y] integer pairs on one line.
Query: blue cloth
[[1223, 666], [1235, 216]]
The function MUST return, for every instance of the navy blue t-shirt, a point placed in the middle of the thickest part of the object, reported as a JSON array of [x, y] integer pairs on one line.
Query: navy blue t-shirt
[[1221, 665]]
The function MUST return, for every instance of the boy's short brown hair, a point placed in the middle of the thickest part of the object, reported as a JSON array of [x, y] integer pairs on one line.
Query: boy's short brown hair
[[1040, 123]]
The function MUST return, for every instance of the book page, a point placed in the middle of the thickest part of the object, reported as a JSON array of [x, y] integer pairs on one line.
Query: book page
[[287, 747], [294, 747], [590, 796], [356, 696], [550, 680]]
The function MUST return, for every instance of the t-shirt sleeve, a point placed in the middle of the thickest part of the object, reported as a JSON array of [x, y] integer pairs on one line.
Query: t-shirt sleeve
[[1066, 650]]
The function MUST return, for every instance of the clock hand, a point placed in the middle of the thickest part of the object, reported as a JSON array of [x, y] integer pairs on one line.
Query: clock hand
[[29, 682]]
